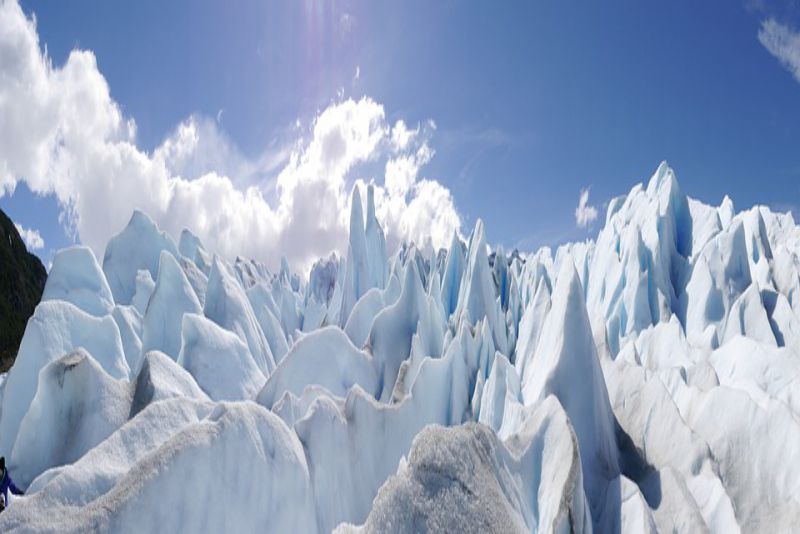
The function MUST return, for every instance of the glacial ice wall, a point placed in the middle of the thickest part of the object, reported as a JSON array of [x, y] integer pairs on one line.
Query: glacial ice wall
[[644, 381]]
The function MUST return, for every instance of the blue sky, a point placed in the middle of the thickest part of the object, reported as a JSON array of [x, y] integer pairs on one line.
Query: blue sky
[[532, 101]]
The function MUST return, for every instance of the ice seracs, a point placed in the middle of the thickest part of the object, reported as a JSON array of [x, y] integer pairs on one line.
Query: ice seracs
[[266, 312], [159, 378], [191, 248], [218, 360], [325, 358], [137, 247], [451, 280], [356, 280], [644, 381], [144, 290], [566, 356], [376, 244], [477, 297], [56, 329], [465, 478], [228, 306], [366, 254], [77, 405], [75, 277], [172, 297]]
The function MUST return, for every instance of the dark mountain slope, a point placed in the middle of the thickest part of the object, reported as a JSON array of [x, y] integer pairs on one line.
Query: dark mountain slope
[[22, 278]]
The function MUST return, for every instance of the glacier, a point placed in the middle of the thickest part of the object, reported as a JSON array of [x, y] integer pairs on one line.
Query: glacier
[[647, 380]]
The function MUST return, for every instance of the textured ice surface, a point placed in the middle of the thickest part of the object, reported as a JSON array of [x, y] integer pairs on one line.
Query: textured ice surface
[[76, 277], [228, 306], [137, 247], [218, 360], [646, 381], [77, 405], [55, 329], [172, 297]]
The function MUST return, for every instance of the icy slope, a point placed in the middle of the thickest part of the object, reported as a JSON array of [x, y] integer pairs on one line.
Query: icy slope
[[647, 381]]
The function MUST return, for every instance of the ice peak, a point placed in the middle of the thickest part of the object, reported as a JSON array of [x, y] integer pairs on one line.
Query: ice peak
[[172, 297], [370, 205], [366, 256], [190, 246], [77, 278], [453, 272], [137, 246], [566, 356], [376, 244], [356, 213], [477, 297], [681, 316], [141, 219], [726, 211], [664, 177], [228, 306]]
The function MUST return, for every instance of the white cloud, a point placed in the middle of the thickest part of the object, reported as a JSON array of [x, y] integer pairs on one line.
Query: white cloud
[[783, 43], [401, 172], [197, 147], [33, 240], [63, 134], [402, 135], [584, 213], [430, 217]]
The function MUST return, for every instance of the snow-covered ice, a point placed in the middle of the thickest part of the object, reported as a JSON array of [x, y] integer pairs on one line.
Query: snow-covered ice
[[645, 381]]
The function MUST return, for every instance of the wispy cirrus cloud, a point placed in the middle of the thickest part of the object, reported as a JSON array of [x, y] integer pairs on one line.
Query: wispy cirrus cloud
[[783, 42]]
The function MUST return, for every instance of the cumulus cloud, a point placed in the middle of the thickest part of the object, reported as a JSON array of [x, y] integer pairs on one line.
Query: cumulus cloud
[[63, 134], [585, 214], [33, 240], [401, 171], [783, 43], [197, 147]]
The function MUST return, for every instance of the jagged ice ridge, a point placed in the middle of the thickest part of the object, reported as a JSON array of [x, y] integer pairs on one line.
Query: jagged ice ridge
[[645, 381]]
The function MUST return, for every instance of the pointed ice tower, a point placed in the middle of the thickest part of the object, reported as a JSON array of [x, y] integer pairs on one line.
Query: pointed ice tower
[[137, 247], [642, 256], [476, 297], [366, 255], [453, 272], [228, 306], [77, 278], [190, 246], [355, 278], [56, 328], [568, 368], [376, 245], [172, 297]]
